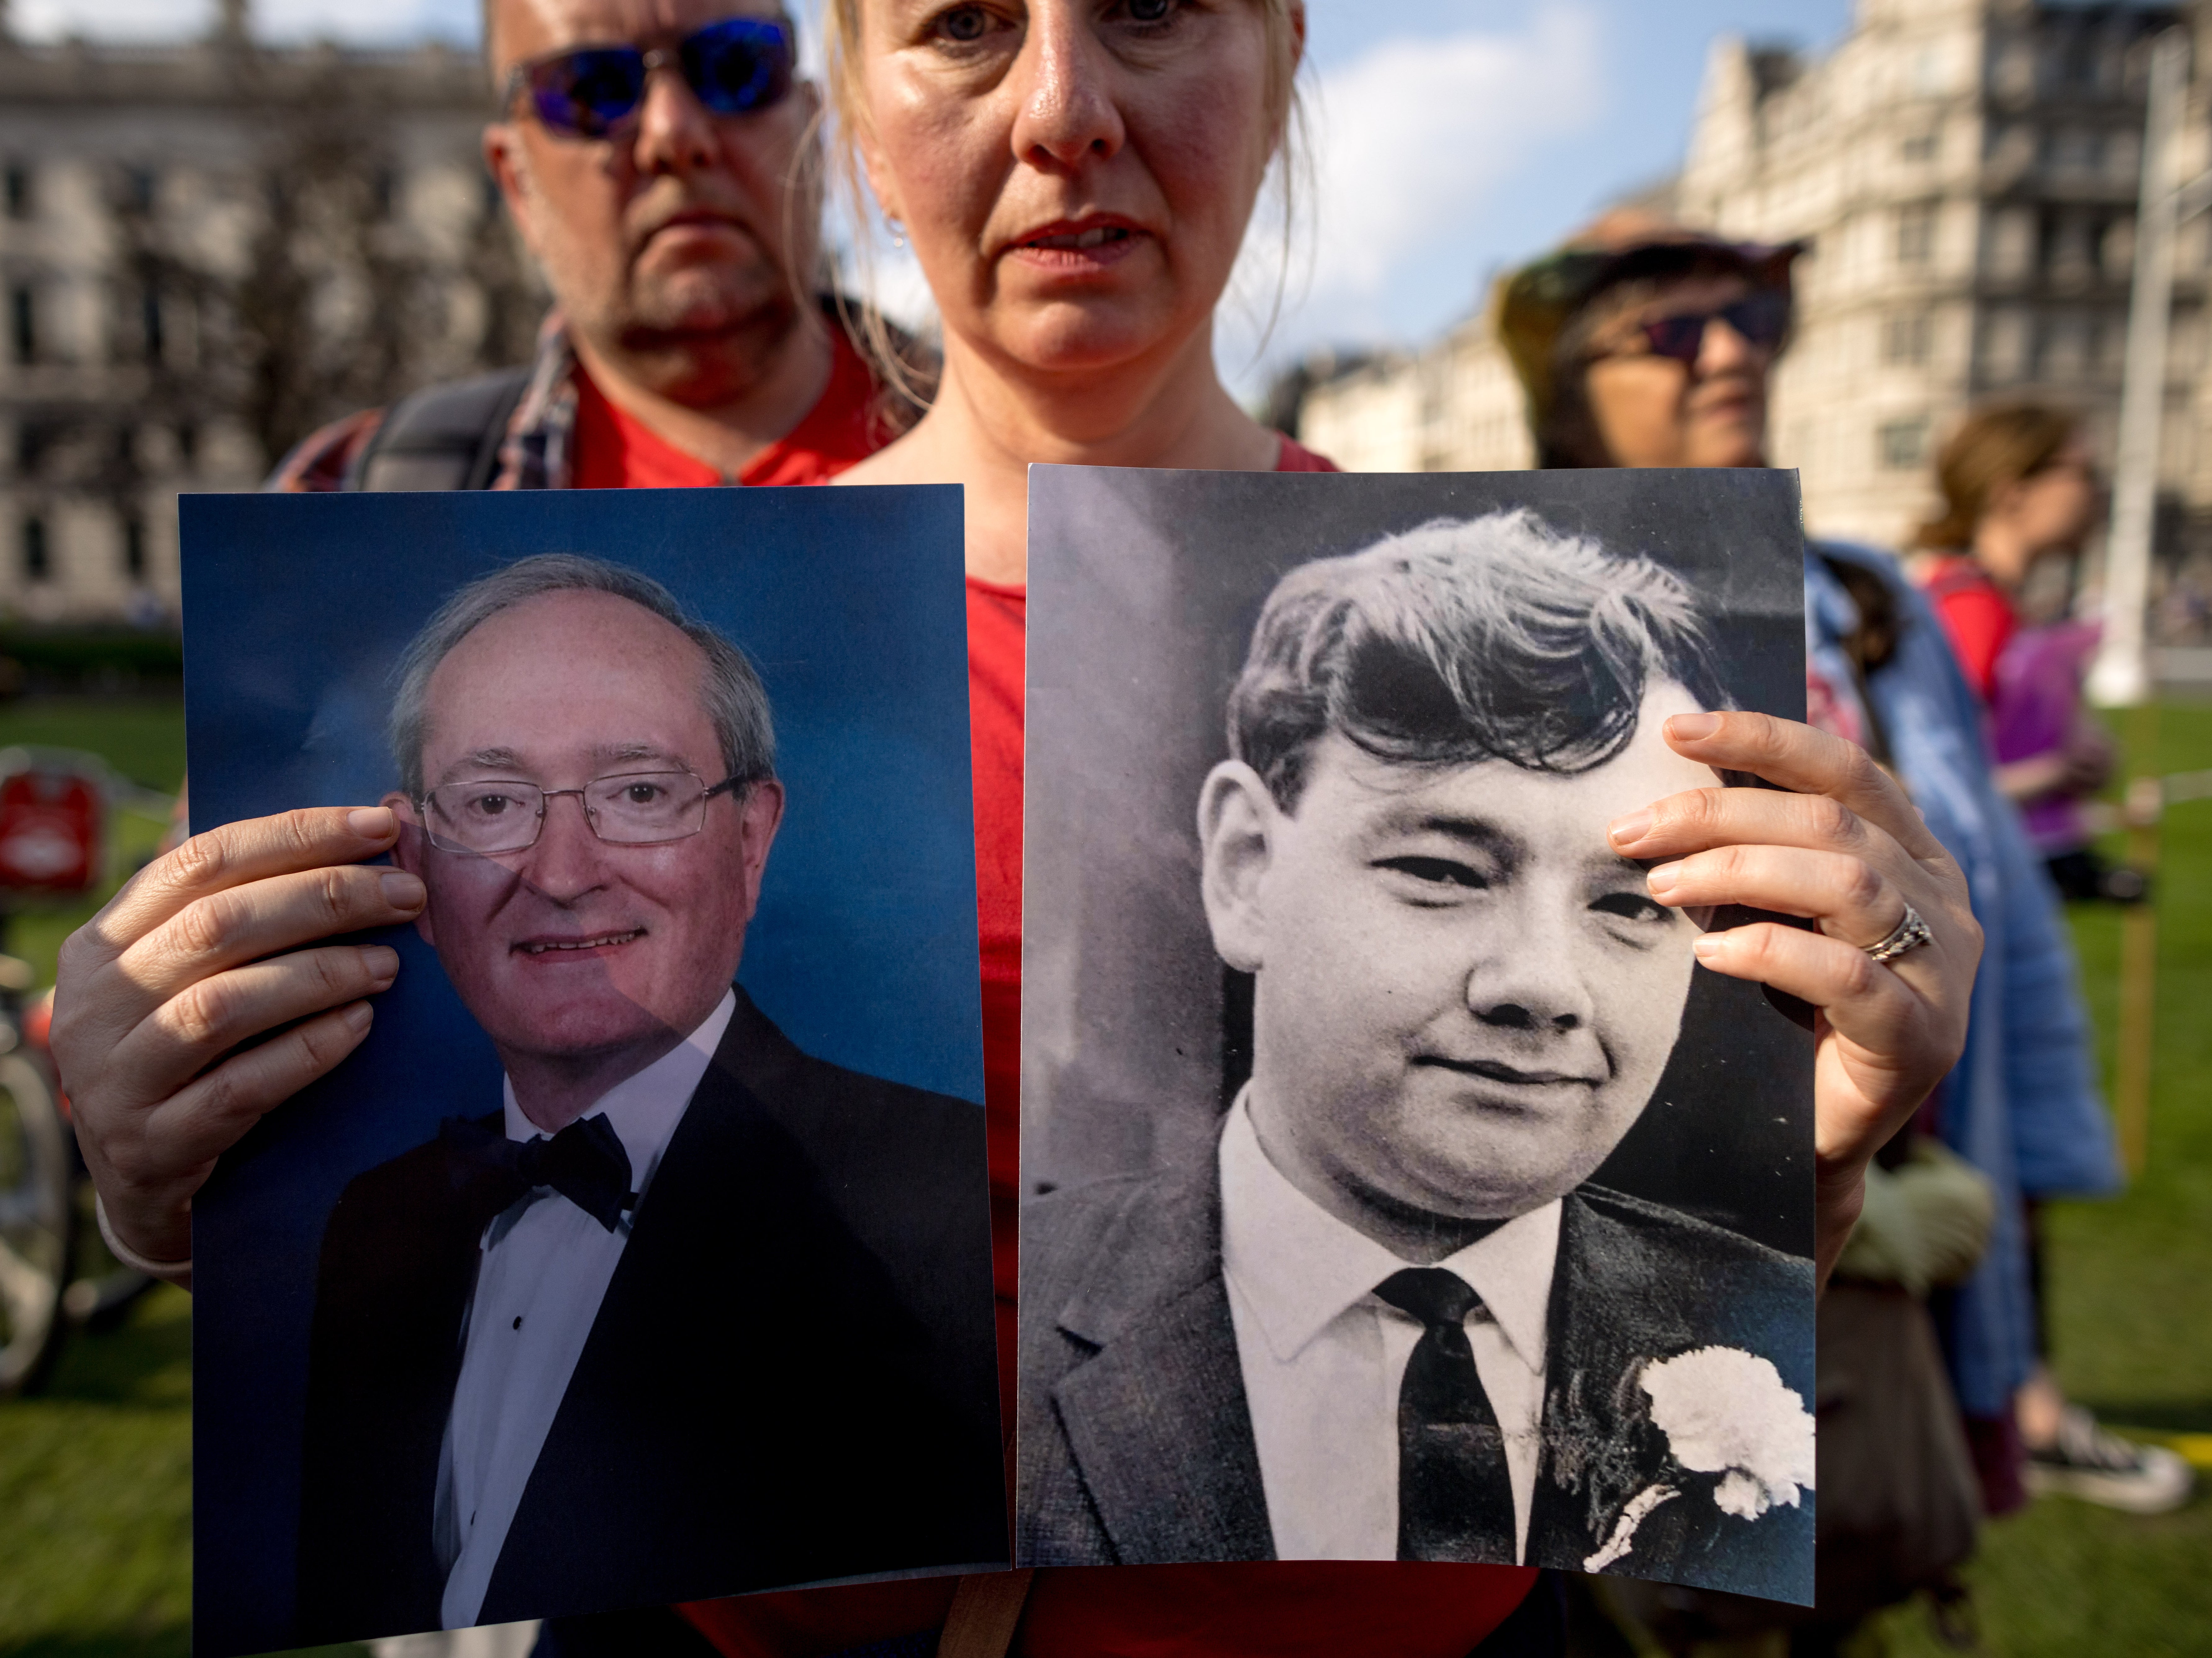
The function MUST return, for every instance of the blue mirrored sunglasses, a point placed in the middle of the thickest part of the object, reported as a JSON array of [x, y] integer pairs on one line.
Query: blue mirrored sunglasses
[[735, 67]]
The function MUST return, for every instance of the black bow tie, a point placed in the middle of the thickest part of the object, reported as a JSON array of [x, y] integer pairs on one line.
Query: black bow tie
[[585, 1163]]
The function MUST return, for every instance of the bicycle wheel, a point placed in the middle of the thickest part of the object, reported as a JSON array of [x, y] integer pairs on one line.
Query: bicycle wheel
[[37, 1239]]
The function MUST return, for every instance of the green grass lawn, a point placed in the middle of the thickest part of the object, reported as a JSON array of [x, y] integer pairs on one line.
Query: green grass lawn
[[2131, 1283], [96, 1496], [96, 1477], [142, 740]]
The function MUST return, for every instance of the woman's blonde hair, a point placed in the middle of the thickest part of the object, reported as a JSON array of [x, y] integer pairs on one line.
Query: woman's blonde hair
[[894, 355], [1997, 444]]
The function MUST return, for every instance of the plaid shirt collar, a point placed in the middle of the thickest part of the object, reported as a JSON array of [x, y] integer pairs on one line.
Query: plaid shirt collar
[[538, 452]]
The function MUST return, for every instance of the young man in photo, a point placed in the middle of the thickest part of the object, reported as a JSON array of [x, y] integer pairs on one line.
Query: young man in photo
[[1391, 1317], [688, 1311]]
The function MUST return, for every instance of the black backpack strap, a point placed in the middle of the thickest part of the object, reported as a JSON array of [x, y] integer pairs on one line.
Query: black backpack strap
[[445, 437]]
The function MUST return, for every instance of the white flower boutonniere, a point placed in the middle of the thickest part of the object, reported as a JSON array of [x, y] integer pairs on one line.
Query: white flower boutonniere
[[1723, 1411]]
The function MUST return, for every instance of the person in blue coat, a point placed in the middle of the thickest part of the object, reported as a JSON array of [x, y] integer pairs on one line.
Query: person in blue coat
[[1643, 343]]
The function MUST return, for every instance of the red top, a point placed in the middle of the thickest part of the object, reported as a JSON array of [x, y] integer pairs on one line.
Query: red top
[[1290, 1610], [1975, 613], [617, 451]]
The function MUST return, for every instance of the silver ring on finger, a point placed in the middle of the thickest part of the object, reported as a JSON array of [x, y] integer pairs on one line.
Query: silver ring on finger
[[1907, 936]]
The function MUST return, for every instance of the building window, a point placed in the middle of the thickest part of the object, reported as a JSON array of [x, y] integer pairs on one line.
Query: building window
[[1902, 444], [2115, 248], [2070, 243], [1905, 339], [188, 444], [133, 547], [1915, 234], [2074, 150], [38, 560], [2004, 346], [15, 188], [139, 187], [150, 321], [23, 325], [2064, 347], [1920, 147]]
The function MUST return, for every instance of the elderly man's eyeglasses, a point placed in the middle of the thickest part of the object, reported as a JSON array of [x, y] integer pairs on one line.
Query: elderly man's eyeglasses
[[735, 67], [626, 809], [1763, 319]]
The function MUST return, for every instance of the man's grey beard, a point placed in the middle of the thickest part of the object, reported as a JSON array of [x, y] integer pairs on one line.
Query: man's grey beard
[[705, 353], [664, 312]]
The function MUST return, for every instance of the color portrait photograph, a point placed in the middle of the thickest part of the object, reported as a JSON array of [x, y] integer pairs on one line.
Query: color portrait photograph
[[640, 1254], [1397, 1185]]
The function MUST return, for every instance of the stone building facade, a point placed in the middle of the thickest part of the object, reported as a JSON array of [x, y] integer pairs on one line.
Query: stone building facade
[[207, 250], [1966, 171], [1452, 407]]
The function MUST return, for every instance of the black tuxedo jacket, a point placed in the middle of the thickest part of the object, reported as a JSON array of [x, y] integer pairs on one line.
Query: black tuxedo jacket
[[1133, 1442], [791, 1378]]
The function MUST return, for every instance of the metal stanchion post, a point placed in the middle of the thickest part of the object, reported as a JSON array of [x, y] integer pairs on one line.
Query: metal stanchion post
[[2121, 678], [2131, 1078]]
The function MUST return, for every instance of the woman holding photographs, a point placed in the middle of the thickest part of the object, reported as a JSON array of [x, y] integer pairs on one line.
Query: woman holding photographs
[[1076, 182], [1077, 177]]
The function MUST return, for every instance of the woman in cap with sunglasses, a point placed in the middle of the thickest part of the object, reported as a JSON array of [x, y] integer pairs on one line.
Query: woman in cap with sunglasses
[[1641, 344], [1077, 180]]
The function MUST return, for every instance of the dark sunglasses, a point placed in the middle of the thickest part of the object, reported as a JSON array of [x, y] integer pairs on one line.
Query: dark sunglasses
[[1762, 319], [736, 66]]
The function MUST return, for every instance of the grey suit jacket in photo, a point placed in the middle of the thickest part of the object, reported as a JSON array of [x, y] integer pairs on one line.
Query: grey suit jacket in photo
[[1134, 1444]]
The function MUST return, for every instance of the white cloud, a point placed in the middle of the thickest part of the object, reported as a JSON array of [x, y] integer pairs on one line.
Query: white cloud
[[1415, 135], [384, 22], [1412, 141]]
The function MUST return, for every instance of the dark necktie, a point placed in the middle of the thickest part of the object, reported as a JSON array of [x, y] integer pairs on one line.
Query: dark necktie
[[1455, 1497], [585, 1163]]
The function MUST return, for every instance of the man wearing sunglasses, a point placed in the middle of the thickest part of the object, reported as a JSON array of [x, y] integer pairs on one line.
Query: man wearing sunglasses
[[650, 153], [686, 1311]]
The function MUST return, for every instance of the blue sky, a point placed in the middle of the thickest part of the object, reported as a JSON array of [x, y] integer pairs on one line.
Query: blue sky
[[1522, 121], [1453, 136]]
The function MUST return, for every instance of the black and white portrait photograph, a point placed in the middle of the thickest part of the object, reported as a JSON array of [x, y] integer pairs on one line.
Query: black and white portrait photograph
[[1397, 1185], [641, 1251]]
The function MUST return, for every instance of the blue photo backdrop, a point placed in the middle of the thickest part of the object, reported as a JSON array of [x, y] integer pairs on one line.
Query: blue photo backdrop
[[850, 604]]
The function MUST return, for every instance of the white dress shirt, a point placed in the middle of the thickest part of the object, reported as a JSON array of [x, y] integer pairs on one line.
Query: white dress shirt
[[543, 1268], [1323, 1355]]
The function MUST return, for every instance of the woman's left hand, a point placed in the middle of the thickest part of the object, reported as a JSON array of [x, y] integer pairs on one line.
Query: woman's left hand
[[1845, 848]]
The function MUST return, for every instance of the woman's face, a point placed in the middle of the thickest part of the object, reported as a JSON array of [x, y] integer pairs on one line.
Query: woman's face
[[2054, 508], [1652, 410], [1075, 175]]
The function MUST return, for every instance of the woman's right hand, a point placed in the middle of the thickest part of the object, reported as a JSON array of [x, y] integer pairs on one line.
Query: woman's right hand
[[209, 946]]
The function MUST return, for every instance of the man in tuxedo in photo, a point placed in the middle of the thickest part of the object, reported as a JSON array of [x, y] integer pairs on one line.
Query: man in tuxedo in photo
[[1388, 1316], [689, 1312]]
